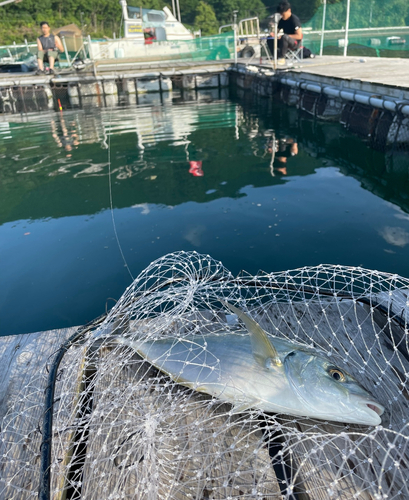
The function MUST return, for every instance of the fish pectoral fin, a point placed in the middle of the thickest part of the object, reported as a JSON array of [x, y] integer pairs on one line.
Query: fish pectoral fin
[[245, 405], [264, 351]]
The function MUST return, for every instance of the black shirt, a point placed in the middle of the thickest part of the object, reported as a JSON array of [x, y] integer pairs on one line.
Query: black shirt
[[47, 42], [290, 25]]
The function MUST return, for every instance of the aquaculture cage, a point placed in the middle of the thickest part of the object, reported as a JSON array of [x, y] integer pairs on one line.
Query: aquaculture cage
[[119, 422]]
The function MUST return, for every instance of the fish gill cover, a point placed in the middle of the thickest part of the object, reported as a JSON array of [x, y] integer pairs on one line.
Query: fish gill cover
[[204, 385]]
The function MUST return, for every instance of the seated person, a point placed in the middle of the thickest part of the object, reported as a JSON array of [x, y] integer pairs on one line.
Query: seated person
[[289, 32], [48, 46]]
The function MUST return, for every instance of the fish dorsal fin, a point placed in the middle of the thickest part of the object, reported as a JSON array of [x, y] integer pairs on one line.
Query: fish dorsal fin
[[263, 350]]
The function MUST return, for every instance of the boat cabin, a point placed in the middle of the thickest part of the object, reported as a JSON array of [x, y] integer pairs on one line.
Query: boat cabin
[[148, 25]]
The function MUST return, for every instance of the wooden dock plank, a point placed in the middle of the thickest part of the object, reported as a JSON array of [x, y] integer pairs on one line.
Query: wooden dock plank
[[149, 438], [183, 458], [317, 451], [23, 379], [389, 72], [346, 329]]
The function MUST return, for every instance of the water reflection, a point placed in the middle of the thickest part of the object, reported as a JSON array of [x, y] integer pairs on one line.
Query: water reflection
[[280, 149], [65, 136], [195, 168], [386, 174], [254, 184]]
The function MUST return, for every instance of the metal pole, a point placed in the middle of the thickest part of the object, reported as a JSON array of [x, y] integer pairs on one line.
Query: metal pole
[[324, 13], [65, 49], [91, 55], [276, 19], [178, 7], [235, 35], [275, 44], [347, 28], [84, 52], [173, 8]]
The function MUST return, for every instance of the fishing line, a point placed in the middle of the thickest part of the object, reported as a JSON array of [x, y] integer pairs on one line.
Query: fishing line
[[111, 204], [110, 186]]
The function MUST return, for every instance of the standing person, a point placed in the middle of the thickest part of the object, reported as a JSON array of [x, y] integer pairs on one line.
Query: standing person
[[289, 32], [48, 46]]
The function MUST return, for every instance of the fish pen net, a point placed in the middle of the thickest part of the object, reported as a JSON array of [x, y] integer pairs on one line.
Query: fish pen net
[[133, 410], [371, 33], [204, 48]]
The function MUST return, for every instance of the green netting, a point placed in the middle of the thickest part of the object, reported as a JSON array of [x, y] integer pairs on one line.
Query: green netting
[[374, 30], [205, 48]]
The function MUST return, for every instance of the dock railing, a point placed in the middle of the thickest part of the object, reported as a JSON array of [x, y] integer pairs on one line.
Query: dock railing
[[248, 28], [16, 52], [20, 53]]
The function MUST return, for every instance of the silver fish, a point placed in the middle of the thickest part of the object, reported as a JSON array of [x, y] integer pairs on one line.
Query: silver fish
[[263, 372]]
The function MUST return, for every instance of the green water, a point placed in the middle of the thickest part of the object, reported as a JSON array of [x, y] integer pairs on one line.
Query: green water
[[335, 201]]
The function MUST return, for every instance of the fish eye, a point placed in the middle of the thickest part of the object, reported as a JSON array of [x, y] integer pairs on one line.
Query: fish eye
[[337, 375]]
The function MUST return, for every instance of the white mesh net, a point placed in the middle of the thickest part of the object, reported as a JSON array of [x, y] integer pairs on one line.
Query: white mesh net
[[125, 429]]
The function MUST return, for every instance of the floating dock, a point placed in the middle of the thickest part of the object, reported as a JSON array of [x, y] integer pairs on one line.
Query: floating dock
[[370, 96], [385, 76], [109, 86]]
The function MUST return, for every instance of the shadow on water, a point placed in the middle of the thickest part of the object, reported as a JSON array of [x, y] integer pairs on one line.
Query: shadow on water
[[255, 184]]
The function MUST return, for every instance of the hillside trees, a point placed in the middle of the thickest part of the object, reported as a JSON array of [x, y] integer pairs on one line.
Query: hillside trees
[[302, 8], [224, 9], [363, 14], [205, 19], [102, 17]]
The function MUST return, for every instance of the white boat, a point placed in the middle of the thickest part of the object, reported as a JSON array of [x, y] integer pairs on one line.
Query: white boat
[[145, 25], [149, 36], [148, 33]]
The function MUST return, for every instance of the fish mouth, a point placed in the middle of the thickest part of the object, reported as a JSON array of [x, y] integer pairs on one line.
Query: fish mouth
[[373, 412], [376, 407]]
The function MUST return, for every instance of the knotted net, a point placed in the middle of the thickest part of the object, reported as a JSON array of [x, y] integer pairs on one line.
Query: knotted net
[[124, 429]]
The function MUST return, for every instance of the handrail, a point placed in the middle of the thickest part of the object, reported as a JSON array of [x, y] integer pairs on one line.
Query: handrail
[[18, 46], [225, 26], [245, 23]]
